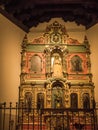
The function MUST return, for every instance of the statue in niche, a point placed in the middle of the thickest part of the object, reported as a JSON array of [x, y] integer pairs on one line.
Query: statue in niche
[[74, 100], [86, 101], [57, 65], [40, 100], [58, 97], [76, 63], [28, 101]]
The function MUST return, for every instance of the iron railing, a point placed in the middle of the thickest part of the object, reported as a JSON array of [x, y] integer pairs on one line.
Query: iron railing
[[21, 118]]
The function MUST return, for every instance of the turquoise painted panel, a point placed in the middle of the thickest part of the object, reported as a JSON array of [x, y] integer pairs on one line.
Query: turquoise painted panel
[[40, 48], [35, 48], [76, 48]]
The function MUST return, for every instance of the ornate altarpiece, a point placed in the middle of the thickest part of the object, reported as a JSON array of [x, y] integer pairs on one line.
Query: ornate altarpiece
[[56, 71]]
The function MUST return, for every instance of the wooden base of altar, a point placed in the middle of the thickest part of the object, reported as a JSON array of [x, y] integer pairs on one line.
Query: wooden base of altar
[[44, 127], [34, 127], [85, 127]]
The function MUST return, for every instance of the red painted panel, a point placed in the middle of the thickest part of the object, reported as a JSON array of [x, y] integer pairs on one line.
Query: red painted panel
[[33, 74]]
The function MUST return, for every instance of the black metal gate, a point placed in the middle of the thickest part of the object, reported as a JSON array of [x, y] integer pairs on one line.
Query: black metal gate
[[18, 118]]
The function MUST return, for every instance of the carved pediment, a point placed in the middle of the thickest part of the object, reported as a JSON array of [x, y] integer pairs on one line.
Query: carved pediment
[[56, 33]]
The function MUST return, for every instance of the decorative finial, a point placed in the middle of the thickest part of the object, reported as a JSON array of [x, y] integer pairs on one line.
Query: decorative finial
[[86, 43], [25, 41]]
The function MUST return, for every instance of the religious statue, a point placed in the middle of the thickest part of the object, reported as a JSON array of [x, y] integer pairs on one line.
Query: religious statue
[[28, 101], [57, 66], [58, 99], [40, 101], [86, 101]]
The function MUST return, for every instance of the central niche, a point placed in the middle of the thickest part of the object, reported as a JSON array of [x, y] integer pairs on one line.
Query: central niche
[[56, 65], [57, 95]]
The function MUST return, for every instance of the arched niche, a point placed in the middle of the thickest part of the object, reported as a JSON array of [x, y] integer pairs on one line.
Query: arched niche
[[57, 53], [76, 64], [56, 61], [40, 100], [36, 63], [57, 95], [56, 65], [86, 101], [74, 100], [28, 101]]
